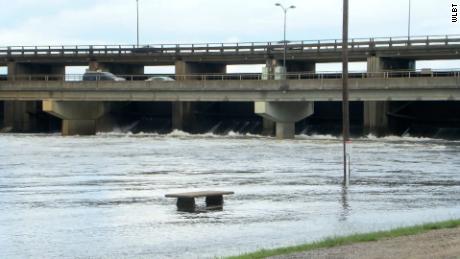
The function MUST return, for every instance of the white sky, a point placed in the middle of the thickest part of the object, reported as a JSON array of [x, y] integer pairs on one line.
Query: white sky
[[57, 22]]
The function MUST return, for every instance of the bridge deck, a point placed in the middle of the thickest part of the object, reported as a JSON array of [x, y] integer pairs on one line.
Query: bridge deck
[[361, 89], [426, 47]]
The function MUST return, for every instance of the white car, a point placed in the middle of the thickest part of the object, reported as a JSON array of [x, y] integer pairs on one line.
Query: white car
[[160, 78], [101, 76]]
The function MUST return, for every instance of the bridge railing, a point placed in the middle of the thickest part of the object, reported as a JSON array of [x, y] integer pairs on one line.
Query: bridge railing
[[240, 77], [234, 48]]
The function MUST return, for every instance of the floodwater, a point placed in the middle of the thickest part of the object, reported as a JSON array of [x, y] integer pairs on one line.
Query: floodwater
[[103, 196]]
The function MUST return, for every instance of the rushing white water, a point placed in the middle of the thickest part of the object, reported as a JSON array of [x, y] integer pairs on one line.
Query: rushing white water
[[103, 196]]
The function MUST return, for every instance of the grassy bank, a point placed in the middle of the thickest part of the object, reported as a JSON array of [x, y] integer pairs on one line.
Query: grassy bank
[[357, 238]]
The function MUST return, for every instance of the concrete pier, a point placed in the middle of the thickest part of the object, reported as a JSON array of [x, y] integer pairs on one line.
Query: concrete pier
[[285, 114], [183, 113], [270, 127], [375, 117], [79, 118], [375, 112]]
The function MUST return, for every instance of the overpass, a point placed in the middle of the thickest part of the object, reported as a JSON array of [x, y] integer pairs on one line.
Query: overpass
[[406, 86], [37, 73], [80, 103], [316, 51]]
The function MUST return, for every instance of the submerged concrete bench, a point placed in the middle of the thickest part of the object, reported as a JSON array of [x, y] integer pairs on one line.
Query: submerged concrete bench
[[186, 201]]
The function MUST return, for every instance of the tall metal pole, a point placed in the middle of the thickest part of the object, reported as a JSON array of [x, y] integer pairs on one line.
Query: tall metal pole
[[285, 10], [284, 40], [345, 104], [137, 15], [408, 24]]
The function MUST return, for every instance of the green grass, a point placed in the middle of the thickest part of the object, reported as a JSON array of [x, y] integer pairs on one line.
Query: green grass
[[356, 238]]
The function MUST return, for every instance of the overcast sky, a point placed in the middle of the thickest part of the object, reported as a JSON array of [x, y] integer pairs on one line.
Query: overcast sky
[[56, 22], [114, 21]]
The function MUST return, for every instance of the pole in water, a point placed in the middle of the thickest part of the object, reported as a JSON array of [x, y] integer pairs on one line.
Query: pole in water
[[348, 162], [345, 102]]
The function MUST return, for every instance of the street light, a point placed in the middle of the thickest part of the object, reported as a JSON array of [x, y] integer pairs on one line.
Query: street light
[[137, 16], [285, 10]]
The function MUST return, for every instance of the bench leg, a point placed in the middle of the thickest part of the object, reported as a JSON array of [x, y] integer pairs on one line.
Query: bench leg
[[215, 201], [186, 204]]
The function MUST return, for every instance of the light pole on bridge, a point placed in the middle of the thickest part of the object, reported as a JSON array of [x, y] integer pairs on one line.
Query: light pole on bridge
[[285, 10], [409, 20], [137, 19]]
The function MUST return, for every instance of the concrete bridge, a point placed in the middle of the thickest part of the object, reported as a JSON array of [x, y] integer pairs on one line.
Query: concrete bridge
[[80, 104], [308, 51], [37, 74]]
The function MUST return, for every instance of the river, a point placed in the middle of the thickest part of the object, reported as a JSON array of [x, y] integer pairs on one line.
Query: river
[[103, 196]]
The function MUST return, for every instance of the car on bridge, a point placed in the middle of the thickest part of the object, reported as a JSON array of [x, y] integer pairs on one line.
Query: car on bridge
[[160, 78], [101, 76], [147, 49]]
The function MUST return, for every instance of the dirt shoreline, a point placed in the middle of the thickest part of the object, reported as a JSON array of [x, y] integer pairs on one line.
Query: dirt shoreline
[[443, 243]]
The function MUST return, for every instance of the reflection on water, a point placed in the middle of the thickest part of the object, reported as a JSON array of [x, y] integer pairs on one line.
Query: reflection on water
[[103, 196], [346, 209]]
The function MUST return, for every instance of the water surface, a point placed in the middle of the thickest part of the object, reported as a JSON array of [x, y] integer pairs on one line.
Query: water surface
[[103, 196]]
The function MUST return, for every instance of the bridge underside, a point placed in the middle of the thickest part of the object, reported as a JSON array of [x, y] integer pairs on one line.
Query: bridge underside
[[417, 118]]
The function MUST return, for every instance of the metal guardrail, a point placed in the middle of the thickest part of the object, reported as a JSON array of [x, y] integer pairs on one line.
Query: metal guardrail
[[244, 76], [231, 48]]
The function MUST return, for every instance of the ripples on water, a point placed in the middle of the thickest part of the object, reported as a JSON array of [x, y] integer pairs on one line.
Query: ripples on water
[[103, 196]]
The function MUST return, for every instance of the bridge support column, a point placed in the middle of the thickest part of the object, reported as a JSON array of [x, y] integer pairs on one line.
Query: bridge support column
[[375, 112], [79, 118], [23, 116], [183, 113], [375, 117], [285, 114], [182, 116], [78, 127], [268, 125]]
